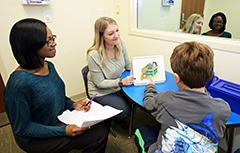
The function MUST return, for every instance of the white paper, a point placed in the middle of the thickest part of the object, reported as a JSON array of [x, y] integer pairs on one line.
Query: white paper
[[139, 64], [96, 114]]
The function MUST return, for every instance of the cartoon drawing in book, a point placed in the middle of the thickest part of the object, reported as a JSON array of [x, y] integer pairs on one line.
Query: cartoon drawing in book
[[190, 138], [150, 70], [148, 66]]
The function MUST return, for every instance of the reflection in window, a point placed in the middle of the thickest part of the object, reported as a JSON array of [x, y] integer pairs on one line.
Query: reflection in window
[[154, 16]]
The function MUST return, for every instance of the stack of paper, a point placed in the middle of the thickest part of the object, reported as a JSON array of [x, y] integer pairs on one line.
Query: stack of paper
[[96, 114]]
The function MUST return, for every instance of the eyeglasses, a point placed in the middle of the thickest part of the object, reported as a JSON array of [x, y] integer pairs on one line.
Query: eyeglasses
[[51, 40]]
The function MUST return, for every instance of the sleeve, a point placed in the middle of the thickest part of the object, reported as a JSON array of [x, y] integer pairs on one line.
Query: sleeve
[[19, 114], [150, 99], [126, 58], [222, 115], [229, 35], [98, 77], [68, 103]]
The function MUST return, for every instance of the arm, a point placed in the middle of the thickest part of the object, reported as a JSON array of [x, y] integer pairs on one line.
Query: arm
[[150, 100], [68, 103], [98, 76], [19, 113]]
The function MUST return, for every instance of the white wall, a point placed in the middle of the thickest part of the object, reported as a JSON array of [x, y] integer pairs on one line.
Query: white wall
[[72, 22], [156, 16]]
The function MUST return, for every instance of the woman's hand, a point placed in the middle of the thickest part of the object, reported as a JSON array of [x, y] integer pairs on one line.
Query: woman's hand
[[128, 81], [73, 130], [83, 104]]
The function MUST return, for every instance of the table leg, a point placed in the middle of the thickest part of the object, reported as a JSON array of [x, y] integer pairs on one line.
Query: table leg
[[131, 121], [230, 140]]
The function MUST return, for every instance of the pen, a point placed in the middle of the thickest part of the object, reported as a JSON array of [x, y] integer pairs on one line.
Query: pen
[[89, 102]]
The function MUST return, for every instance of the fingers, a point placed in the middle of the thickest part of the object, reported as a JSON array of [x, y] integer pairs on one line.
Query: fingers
[[73, 130], [128, 80], [82, 105], [78, 130], [150, 79], [86, 107]]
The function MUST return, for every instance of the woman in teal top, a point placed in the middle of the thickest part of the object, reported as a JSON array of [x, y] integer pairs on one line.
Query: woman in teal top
[[35, 96], [217, 24]]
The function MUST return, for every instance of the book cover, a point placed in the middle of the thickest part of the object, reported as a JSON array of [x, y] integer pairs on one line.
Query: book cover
[[148, 66]]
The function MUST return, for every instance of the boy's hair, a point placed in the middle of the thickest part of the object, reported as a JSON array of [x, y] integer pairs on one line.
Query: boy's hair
[[193, 62], [27, 37]]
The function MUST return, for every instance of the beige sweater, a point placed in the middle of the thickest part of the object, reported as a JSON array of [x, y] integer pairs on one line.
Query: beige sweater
[[103, 79]]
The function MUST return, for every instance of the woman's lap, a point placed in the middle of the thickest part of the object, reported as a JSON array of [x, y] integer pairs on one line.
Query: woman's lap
[[118, 101]]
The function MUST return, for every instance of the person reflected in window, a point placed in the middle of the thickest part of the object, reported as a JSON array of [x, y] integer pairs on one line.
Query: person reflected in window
[[35, 95], [217, 24], [107, 59], [193, 24]]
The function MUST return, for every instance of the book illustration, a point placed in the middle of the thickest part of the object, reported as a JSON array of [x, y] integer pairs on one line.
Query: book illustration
[[144, 67], [96, 114], [150, 70]]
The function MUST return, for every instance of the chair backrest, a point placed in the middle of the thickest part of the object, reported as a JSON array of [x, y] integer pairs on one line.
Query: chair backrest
[[84, 74]]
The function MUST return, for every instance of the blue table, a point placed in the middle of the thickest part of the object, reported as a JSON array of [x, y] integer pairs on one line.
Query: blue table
[[136, 94]]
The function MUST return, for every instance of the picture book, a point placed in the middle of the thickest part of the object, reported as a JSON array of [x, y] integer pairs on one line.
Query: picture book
[[144, 67]]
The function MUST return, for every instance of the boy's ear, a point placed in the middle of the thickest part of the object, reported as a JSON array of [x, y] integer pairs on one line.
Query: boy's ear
[[177, 78]]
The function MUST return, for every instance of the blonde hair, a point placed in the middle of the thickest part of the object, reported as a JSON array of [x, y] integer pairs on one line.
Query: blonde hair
[[100, 26], [188, 27]]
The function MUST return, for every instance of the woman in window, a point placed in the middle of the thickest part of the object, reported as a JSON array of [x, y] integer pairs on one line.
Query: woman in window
[[217, 24]]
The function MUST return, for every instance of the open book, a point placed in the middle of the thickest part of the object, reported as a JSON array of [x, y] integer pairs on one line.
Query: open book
[[96, 114], [144, 67]]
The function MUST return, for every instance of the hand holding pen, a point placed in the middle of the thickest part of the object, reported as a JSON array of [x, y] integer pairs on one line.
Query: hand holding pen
[[83, 104]]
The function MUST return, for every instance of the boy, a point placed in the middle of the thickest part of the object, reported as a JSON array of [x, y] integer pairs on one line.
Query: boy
[[192, 64]]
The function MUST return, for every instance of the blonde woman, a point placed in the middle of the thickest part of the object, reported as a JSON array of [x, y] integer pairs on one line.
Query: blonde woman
[[193, 24], [107, 59]]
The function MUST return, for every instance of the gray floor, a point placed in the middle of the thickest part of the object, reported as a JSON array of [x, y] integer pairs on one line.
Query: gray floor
[[121, 144]]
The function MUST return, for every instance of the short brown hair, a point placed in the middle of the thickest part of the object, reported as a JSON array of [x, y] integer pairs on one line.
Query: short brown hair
[[193, 62]]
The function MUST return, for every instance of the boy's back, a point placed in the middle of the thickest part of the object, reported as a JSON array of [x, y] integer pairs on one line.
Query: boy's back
[[188, 107], [192, 64]]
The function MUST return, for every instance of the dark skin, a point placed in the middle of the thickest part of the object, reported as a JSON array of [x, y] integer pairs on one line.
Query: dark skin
[[49, 51], [217, 26]]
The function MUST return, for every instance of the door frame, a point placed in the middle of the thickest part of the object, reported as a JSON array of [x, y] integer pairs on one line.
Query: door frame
[[190, 7]]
